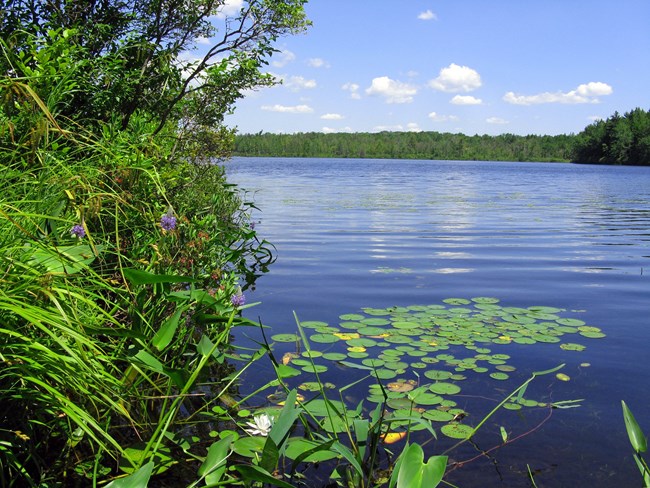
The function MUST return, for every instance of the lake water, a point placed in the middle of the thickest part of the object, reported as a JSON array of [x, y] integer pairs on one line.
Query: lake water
[[352, 234]]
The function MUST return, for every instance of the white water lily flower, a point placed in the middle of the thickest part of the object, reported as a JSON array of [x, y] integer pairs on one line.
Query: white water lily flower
[[261, 425]]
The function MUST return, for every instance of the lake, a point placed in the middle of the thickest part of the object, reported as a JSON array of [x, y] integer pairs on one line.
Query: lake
[[371, 234]]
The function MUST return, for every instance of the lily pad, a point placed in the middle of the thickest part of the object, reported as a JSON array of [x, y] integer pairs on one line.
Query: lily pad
[[324, 338], [285, 338], [457, 431], [445, 388]]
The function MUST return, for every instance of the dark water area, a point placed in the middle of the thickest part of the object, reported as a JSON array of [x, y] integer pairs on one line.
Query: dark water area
[[379, 233]]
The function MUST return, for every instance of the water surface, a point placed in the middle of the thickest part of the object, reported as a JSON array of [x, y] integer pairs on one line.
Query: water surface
[[378, 233]]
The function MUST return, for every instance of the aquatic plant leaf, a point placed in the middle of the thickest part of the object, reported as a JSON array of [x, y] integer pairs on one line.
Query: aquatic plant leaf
[[316, 451], [314, 368], [324, 338], [334, 356], [285, 338], [214, 464], [444, 388], [426, 398], [438, 415], [437, 374], [313, 324], [637, 438], [457, 431], [138, 479], [352, 317], [569, 346], [562, 377], [499, 376]]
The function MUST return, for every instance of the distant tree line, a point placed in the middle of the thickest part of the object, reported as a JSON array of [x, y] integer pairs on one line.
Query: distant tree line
[[621, 139], [407, 145]]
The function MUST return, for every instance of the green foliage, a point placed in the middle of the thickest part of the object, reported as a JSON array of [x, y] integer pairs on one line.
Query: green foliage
[[121, 242], [133, 55], [618, 140], [638, 441], [407, 145]]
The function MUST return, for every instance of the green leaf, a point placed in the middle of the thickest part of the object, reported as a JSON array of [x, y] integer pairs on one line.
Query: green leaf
[[634, 432], [285, 420], [410, 470], [63, 259], [167, 330], [270, 455], [139, 277], [433, 471], [214, 465], [349, 456], [139, 479], [255, 473], [204, 347]]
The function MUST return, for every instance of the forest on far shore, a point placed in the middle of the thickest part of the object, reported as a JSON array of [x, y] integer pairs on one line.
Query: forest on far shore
[[620, 139]]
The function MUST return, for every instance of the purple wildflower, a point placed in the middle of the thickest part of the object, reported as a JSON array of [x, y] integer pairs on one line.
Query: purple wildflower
[[78, 231], [238, 299], [168, 222]]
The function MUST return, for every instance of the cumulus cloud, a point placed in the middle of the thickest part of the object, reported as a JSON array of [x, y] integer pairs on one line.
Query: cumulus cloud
[[317, 63], [392, 91], [332, 117], [455, 78], [496, 120], [284, 58], [291, 109], [330, 130], [465, 100], [229, 8], [594, 89], [203, 41], [295, 83], [427, 15], [353, 88], [585, 93], [436, 117], [413, 127]]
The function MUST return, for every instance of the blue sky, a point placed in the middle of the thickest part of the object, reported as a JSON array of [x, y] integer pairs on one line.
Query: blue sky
[[468, 66]]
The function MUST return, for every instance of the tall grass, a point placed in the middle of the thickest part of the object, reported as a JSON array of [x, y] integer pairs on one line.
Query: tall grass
[[105, 332]]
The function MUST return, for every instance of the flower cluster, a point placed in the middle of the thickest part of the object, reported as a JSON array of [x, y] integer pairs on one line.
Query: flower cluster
[[238, 299], [168, 222], [78, 231]]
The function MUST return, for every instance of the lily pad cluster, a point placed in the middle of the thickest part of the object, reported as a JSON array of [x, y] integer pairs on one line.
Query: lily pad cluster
[[420, 353]]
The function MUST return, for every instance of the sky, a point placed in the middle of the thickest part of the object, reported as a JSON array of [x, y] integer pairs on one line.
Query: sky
[[461, 66]]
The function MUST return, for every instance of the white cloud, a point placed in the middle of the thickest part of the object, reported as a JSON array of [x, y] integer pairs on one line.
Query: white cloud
[[203, 41], [318, 63], [353, 88], [388, 128], [465, 100], [295, 83], [330, 130], [332, 117], [294, 109], [427, 15], [413, 127], [392, 91], [229, 8], [496, 120], [595, 118], [284, 58], [585, 93], [442, 118], [455, 78], [594, 89]]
